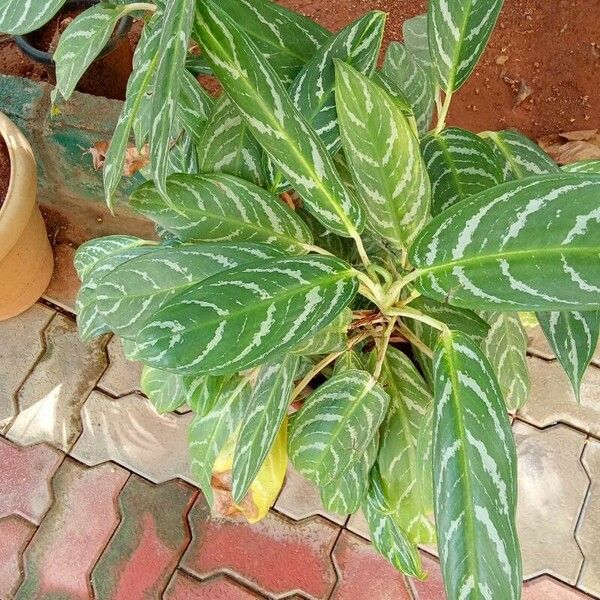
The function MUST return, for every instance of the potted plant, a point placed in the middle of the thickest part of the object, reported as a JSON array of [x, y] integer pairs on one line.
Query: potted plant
[[325, 251], [26, 260]]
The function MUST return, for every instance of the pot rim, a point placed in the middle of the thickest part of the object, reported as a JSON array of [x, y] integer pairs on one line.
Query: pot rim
[[20, 198]]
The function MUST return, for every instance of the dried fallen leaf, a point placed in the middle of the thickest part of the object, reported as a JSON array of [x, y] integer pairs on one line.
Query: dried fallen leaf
[[135, 159], [565, 152], [583, 135], [524, 92], [98, 152]]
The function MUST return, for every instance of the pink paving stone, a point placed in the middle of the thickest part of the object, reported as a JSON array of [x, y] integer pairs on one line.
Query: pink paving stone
[[546, 588], [276, 555], [59, 560], [184, 587], [431, 588], [363, 573], [148, 543], [25, 475], [15, 533]]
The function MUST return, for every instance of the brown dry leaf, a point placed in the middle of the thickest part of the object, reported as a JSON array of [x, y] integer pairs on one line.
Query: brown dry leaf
[[135, 160], [524, 92], [571, 151], [98, 152], [576, 136]]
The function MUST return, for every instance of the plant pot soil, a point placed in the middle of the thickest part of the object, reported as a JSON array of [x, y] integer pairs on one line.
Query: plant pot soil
[[26, 260]]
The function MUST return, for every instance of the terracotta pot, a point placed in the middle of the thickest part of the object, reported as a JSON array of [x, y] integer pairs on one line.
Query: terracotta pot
[[26, 260]]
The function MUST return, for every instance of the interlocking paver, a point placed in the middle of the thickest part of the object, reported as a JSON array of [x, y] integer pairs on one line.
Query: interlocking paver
[[20, 346], [64, 284], [25, 475], [122, 376], [184, 587], [588, 532], [152, 535], [552, 488], [358, 524], [299, 499], [546, 588], [275, 555], [363, 573], [431, 588], [51, 398], [130, 432], [15, 533], [59, 560], [552, 399]]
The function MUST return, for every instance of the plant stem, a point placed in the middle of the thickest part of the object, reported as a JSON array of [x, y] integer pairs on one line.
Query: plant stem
[[410, 313], [146, 6], [443, 113], [361, 250], [383, 346], [415, 341]]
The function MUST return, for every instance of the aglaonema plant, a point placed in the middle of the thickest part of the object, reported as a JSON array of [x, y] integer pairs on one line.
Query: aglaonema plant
[[338, 281]]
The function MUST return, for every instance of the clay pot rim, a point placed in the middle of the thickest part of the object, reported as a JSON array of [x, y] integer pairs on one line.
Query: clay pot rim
[[22, 188]]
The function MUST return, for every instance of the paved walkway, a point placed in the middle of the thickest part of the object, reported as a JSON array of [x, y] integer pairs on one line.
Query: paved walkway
[[97, 500]]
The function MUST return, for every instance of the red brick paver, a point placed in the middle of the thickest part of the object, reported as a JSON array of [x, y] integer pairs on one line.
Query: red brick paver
[[148, 543], [184, 587], [15, 533], [363, 573], [84, 515], [431, 588], [546, 588], [276, 555]]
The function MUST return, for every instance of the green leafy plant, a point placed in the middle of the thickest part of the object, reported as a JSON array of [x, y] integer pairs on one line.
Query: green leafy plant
[[337, 280]]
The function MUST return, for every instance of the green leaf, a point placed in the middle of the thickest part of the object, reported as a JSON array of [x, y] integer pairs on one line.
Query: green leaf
[[458, 32], [18, 17], [397, 95], [265, 412], [416, 39], [194, 106], [383, 156], [506, 348], [335, 426], [519, 156], [399, 463], [475, 485], [276, 123], [495, 251], [413, 80], [583, 166], [133, 292], [220, 207], [205, 392], [574, 338], [348, 361], [247, 316], [460, 164], [167, 391], [332, 338]]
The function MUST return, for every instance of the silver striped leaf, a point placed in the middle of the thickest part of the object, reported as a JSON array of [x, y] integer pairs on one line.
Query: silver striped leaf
[[520, 157], [505, 346], [388, 537], [336, 424], [276, 123], [18, 17], [332, 338], [194, 106], [132, 293], [399, 463], [265, 411], [414, 81], [460, 164], [247, 316], [166, 391], [227, 146], [395, 93], [425, 454], [415, 32], [495, 251], [458, 32], [182, 155], [205, 391], [384, 158], [222, 208], [475, 476], [350, 360], [583, 166], [209, 432], [574, 338]]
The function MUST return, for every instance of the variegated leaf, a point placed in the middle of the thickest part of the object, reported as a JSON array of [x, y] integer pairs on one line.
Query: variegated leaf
[[415, 32], [460, 164], [458, 32], [336, 424], [350, 360], [396, 94], [18, 17], [583, 166], [221, 208], [168, 391], [194, 106], [496, 250], [574, 338], [332, 338], [506, 348], [132, 293], [425, 454], [276, 123], [383, 156], [475, 485], [205, 391], [247, 316], [264, 414]]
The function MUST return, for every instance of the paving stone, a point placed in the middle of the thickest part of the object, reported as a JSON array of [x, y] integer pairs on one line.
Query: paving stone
[[588, 532], [276, 555], [552, 488], [64, 284], [152, 535], [358, 524], [131, 433], [25, 475], [122, 376], [552, 399], [546, 588], [59, 560], [50, 400], [15, 534], [431, 588], [363, 573], [184, 587], [300, 499], [20, 346]]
